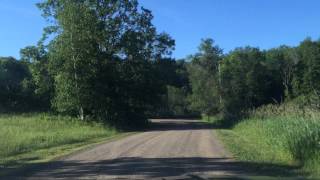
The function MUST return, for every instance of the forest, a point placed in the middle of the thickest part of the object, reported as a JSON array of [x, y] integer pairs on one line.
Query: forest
[[125, 89], [105, 62]]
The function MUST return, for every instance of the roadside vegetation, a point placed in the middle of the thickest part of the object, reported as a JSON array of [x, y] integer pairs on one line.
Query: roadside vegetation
[[280, 135], [31, 138]]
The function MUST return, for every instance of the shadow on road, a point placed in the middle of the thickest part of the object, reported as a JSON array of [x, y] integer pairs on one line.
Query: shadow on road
[[179, 124], [156, 168]]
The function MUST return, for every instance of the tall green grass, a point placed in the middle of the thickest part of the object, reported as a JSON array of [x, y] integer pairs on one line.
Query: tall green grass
[[286, 135], [29, 133]]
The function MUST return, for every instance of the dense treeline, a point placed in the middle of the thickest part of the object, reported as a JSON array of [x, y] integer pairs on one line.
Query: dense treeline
[[232, 84], [246, 78], [15, 85], [105, 60]]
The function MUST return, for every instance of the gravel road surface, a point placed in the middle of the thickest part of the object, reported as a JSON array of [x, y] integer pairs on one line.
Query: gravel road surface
[[173, 149]]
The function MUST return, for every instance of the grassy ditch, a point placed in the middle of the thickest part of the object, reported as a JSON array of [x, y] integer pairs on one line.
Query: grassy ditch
[[33, 138], [279, 135]]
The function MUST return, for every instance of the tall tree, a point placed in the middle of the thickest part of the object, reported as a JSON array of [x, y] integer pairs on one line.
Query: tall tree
[[42, 80], [281, 62], [310, 57], [204, 78], [104, 58], [307, 72]]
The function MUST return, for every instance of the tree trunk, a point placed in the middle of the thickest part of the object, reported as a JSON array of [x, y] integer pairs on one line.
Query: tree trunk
[[74, 58], [81, 114]]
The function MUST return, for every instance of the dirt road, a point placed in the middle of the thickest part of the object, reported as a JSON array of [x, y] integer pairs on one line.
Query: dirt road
[[173, 149]]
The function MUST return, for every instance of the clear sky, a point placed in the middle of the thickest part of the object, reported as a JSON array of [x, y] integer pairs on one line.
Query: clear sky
[[231, 23]]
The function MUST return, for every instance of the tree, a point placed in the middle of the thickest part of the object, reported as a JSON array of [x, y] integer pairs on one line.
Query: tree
[[104, 59], [174, 102], [204, 78], [16, 88], [42, 80], [246, 82], [281, 62], [310, 56], [306, 76]]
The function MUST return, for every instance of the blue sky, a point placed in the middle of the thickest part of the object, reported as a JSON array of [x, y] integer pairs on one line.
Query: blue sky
[[231, 23]]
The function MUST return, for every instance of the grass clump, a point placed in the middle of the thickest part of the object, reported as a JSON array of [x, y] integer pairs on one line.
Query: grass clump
[[28, 137], [280, 135]]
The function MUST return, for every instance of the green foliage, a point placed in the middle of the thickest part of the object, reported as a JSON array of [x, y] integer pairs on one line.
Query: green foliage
[[203, 75], [246, 82], [308, 68], [104, 59], [41, 80], [74, 50], [28, 133], [281, 62], [174, 102], [246, 78], [16, 88], [283, 134], [177, 101]]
